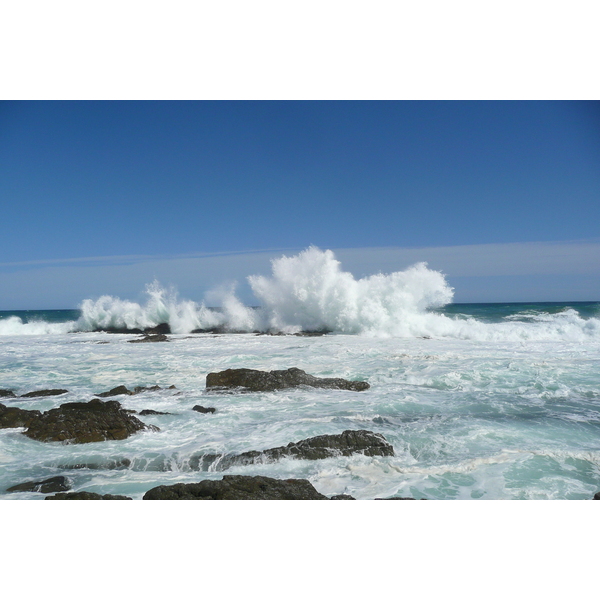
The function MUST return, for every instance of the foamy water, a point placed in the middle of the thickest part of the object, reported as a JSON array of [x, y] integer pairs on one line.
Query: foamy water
[[503, 406]]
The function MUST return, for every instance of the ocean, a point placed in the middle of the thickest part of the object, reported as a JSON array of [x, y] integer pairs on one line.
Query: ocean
[[480, 401]]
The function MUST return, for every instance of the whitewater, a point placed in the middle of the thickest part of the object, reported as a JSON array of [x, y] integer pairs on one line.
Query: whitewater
[[479, 401]]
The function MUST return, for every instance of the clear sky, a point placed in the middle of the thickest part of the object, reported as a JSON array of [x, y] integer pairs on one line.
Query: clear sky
[[101, 197]]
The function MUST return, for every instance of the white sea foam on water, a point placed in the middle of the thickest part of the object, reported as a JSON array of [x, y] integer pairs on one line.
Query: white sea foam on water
[[15, 326], [310, 291]]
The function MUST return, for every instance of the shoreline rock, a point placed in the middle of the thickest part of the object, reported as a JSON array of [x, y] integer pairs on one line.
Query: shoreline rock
[[11, 416], [48, 486], [204, 410], [83, 495], [238, 487], [85, 422], [43, 393], [268, 381], [347, 443], [161, 328]]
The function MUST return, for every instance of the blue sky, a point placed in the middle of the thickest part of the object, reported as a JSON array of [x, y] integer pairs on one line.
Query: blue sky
[[102, 197]]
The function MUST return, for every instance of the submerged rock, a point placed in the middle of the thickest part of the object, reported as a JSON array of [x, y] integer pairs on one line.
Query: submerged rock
[[40, 393], [238, 487], [266, 381], [322, 446], [202, 409], [119, 464], [149, 411], [48, 486], [11, 416], [85, 422], [83, 495], [121, 390]]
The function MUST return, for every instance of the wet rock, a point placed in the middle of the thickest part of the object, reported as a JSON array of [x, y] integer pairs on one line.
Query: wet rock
[[313, 333], [48, 486], [153, 388], [396, 498], [7, 394], [342, 497], [117, 391], [159, 337], [149, 411], [202, 409], [16, 417], [110, 465], [40, 393], [160, 328], [85, 422], [238, 487], [322, 446], [83, 495], [262, 381], [597, 496]]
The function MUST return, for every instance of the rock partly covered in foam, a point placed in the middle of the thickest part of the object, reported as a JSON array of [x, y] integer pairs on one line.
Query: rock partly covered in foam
[[158, 337], [122, 390], [83, 495], [322, 446], [238, 487], [85, 422], [11, 416], [160, 329], [48, 486], [7, 394], [266, 381]]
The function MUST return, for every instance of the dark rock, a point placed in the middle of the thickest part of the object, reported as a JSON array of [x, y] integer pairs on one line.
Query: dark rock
[[597, 496], [313, 333], [149, 411], [48, 486], [85, 422], [16, 417], [153, 388], [238, 487], [85, 496], [263, 381], [117, 391], [220, 329], [342, 497], [322, 446], [159, 337], [40, 393], [202, 409], [396, 498], [160, 328], [7, 394]]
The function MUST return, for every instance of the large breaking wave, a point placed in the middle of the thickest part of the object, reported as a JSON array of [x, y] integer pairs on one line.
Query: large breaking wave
[[310, 291]]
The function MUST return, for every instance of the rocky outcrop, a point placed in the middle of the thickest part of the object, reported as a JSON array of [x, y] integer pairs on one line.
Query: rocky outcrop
[[204, 410], [149, 411], [238, 487], [111, 465], [161, 328], [11, 416], [7, 394], [48, 486], [342, 497], [266, 381], [83, 495], [85, 422], [41, 393], [158, 337], [322, 446], [122, 390], [597, 496]]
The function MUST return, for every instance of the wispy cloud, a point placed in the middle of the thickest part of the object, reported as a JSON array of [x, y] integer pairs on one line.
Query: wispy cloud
[[479, 273]]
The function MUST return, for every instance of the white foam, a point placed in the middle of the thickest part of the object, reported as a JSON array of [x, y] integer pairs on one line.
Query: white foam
[[15, 326]]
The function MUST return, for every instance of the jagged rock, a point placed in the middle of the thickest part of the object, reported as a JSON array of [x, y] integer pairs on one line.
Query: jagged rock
[[149, 411], [262, 381], [40, 393], [11, 416], [322, 446], [85, 496], [342, 497], [159, 337], [7, 394], [117, 391], [238, 487], [202, 409], [48, 486], [160, 328], [85, 422]]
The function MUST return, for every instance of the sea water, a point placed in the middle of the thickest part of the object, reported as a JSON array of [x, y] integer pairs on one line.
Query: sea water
[[480, 401]]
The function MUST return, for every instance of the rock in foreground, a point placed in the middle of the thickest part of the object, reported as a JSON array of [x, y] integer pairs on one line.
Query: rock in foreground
[[238, 487], [48, 486], [322, 446], [85, 496], [10, 416], [266, 381], [85, 422]]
